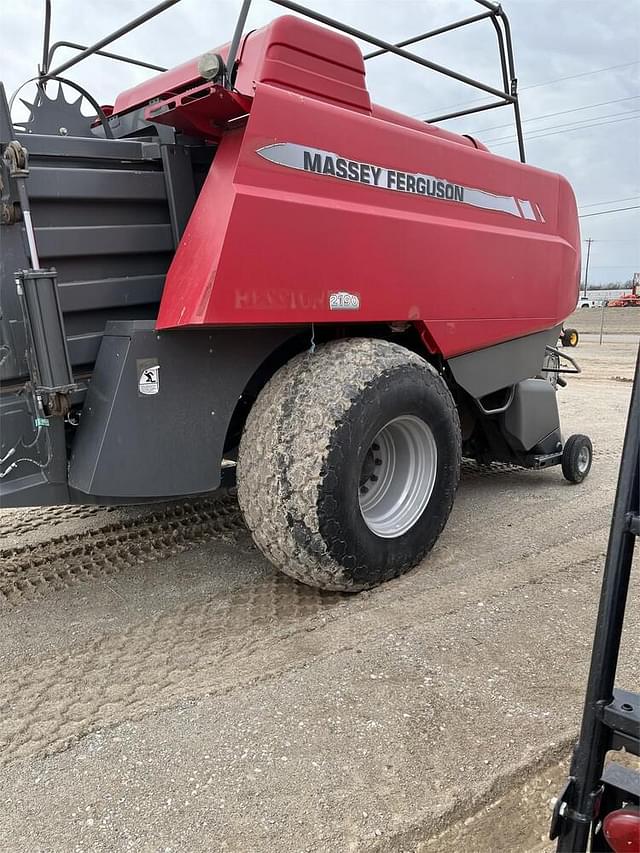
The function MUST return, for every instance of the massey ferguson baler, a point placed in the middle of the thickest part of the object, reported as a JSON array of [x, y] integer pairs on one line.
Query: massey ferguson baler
[[245, 270]]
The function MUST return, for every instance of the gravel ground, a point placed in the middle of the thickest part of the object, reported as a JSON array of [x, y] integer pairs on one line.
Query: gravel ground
[[165, 689]]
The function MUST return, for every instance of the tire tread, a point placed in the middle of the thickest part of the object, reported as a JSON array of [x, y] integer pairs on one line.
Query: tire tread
[[288, 430]]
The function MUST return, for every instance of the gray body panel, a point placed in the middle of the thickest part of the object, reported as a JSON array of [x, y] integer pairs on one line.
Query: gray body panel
[[487, 370], [131, 445], [533, 414]]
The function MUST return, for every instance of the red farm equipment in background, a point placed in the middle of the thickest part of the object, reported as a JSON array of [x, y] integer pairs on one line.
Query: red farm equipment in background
[[628, 300]]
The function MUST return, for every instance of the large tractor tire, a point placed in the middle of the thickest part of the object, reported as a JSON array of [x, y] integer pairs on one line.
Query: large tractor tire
[[349, 464]]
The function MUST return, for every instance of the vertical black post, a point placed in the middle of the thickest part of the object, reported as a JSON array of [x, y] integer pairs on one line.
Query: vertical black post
[[513, 83], [518, 118], [44, 67], [6, 126], [235, 41], [589, 754], [586, 270]]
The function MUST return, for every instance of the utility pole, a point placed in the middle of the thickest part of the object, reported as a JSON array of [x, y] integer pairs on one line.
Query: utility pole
[[586, 269]]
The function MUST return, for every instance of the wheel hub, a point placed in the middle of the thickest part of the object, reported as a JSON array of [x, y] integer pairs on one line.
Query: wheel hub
[[583, 459], [397, 476]]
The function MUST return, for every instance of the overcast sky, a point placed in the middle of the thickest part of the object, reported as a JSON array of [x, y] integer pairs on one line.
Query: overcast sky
[[578, 64]]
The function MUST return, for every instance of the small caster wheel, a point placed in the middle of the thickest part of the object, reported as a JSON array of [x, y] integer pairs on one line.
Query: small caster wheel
[[570, 338], [577, 455]]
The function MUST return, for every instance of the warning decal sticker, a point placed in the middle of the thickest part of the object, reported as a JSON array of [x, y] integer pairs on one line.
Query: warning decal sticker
[[148, 376]]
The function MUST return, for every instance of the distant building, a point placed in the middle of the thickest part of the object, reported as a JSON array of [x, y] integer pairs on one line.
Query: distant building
[[599, 296]]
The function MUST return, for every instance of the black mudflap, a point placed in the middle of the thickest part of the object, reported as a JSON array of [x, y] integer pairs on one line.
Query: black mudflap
[[158, 409]]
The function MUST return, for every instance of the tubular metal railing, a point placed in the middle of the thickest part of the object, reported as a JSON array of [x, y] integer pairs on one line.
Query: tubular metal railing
[[507, 96]]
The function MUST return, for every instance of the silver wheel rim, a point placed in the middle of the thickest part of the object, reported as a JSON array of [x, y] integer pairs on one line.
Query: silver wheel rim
[[398, 476], [584, 457]]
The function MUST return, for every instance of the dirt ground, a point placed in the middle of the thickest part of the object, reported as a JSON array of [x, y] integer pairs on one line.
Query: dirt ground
[[164, 689], [614, 321]]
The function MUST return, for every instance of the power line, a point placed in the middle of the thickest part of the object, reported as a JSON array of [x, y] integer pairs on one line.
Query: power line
[[569, 129], [611, 201], [582, 74], [546, 83], [556, 132], [559, 113], [585, 122], [614, 210]]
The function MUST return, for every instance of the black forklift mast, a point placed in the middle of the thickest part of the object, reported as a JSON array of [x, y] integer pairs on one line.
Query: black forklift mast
[[611, 717]]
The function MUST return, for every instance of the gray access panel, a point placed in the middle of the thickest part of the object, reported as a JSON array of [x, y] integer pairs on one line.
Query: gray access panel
[[533, 414]]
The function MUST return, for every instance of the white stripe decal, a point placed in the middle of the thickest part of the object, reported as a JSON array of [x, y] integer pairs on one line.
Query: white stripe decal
[[327, 163], [527, 209]]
